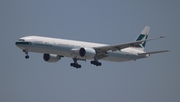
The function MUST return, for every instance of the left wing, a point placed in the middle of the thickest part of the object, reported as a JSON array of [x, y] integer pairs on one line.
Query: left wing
[[102, 50], [154, 52]]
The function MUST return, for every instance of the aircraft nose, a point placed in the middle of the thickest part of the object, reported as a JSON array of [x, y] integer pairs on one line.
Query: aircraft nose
[[20, 43], [17, 43]]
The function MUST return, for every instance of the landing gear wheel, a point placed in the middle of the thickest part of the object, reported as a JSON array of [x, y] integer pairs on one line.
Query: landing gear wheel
[[27, 57], [99, 64], [71, 64], [75, 64], [96, 63], [79, 66]]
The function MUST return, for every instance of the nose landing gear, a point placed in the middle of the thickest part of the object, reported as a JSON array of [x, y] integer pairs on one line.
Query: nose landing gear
[[27, 56]]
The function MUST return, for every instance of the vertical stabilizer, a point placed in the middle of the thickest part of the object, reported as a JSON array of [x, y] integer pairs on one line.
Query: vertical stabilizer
[[143, 36]]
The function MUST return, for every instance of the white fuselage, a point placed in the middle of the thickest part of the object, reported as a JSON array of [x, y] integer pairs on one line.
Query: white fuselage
[[63, 47]]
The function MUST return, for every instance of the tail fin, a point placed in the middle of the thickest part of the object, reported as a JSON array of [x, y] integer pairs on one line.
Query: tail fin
[[143, 36]]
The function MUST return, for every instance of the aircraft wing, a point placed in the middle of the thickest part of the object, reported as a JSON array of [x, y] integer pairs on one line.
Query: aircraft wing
[[122, 46], [154, 52]]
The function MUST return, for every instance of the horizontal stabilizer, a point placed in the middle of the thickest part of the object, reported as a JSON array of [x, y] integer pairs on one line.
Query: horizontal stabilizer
[[154, 52]]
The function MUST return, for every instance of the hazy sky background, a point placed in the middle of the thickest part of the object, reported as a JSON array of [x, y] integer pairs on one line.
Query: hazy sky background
[[156, 79]]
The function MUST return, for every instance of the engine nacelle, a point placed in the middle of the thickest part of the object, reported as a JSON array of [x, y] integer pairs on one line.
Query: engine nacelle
[[51, 57], [87, 53]]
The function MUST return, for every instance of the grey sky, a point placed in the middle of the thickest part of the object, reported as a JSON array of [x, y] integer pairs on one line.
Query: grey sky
[[155, 79]]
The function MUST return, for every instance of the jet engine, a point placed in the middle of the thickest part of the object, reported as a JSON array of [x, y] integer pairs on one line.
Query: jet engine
[[88, 53], [51, 57]]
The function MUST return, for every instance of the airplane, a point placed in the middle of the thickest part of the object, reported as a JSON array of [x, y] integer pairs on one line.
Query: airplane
[[54, 49]]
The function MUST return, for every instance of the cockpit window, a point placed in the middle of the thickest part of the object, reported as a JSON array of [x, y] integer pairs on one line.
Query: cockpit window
[[21, 40]]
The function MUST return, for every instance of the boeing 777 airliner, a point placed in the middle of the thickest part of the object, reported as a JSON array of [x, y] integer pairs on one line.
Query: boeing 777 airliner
[[54, 49]]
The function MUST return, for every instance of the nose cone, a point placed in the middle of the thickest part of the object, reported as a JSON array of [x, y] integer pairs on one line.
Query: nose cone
[[22, 42], [17, 43]]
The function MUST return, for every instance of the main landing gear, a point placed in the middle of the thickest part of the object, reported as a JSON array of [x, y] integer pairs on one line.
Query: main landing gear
[[75, 64], [27, 56], [96, 62]]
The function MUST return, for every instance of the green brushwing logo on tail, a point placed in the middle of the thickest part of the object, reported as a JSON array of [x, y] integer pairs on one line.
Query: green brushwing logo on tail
[[141, 37]]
